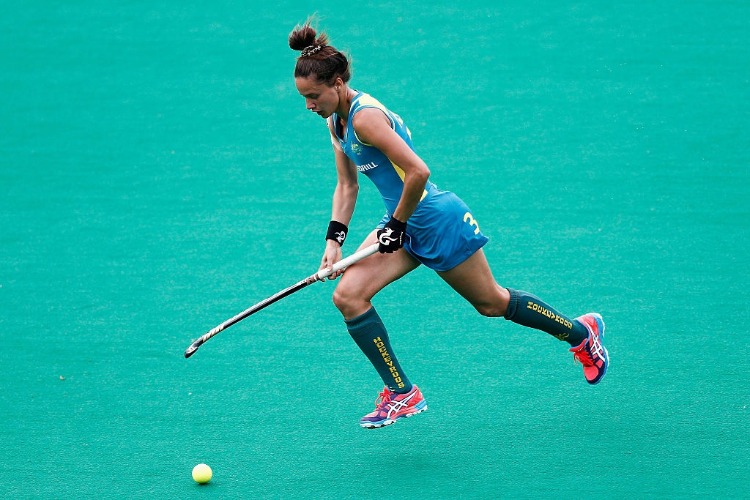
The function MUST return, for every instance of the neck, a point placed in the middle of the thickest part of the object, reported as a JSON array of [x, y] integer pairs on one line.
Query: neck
[[345, 103]]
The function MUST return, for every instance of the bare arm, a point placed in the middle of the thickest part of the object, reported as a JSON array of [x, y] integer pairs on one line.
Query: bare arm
[[344, 200], [347, 188], [373, 127]]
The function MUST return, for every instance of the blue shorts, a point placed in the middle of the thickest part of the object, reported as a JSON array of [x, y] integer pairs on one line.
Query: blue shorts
[[442, 232]]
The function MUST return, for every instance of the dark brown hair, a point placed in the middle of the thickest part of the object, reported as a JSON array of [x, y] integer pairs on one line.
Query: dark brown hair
[[318, 58]]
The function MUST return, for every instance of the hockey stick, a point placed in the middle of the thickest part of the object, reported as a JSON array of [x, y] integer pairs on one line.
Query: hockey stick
[[320, 275]]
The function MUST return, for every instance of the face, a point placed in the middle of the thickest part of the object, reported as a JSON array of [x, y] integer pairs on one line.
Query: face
[[319, 97]]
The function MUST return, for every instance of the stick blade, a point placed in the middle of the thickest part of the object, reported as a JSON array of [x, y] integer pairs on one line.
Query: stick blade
[[193, 347]]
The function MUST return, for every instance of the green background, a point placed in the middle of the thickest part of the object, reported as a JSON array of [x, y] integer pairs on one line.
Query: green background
[[159, 173]]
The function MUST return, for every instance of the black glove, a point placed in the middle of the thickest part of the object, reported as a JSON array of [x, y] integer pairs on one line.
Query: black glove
[[391, 237]]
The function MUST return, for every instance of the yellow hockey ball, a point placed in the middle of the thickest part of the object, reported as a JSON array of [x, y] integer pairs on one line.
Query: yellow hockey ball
[[202, 473]]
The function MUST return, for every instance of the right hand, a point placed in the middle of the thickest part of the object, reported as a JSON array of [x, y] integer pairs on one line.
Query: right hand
[[331, 255], [391, 237]]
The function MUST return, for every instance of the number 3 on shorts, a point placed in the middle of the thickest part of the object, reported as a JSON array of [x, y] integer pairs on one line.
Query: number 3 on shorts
[[472, 222]]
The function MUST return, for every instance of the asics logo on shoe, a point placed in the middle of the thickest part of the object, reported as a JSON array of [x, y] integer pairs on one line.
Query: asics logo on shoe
[[395, 406], [595, 347]]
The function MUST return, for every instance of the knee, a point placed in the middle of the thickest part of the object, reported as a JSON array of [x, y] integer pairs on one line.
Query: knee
[[347, 301], [339, 299], [490, 310], [497, 307]]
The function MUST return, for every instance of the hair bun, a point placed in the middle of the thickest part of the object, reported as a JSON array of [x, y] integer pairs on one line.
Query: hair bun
[[302, 37], [317, 58]]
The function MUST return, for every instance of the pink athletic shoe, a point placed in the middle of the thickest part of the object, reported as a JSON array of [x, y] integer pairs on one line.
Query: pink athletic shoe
[[391, 406], [591, 353]]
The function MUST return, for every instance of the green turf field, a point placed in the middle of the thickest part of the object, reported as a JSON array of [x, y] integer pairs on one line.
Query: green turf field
[[159, 173]]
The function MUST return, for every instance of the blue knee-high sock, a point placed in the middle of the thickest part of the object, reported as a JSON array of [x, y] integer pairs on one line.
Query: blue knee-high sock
[[370, 335], [528, 310]]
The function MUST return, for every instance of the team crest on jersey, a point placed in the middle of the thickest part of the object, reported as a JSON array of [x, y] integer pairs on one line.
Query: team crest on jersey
[[356, 148]]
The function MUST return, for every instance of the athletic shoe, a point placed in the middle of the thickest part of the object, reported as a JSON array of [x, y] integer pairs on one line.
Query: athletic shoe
[[591, 353], [390, 406]]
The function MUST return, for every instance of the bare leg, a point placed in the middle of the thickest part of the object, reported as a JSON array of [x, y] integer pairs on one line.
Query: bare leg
[[363, 280], [473, 280]]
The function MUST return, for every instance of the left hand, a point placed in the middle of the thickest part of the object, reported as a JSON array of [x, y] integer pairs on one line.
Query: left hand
[[391, 237], [331, 255]]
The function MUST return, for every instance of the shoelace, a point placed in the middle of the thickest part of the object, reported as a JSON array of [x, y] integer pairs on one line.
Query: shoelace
[[586, 355], [583, 357], [383, 398]]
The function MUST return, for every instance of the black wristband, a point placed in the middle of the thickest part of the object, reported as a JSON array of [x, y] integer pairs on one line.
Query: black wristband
[[337, 232]]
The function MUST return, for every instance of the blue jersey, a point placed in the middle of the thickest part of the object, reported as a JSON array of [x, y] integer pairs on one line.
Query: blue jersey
[[386, 175], [442, 232]]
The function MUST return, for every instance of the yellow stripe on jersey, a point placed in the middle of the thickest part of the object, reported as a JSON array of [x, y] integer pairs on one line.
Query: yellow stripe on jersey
[[402, 174], [367, 101], [399, 171]]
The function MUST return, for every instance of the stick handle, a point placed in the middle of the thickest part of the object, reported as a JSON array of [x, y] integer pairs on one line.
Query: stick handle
[[348, 261]]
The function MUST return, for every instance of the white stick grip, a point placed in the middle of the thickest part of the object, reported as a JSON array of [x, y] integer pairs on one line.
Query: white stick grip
[[348, 261]]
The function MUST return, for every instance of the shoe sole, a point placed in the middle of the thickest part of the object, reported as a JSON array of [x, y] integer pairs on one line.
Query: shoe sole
[[384, 423]]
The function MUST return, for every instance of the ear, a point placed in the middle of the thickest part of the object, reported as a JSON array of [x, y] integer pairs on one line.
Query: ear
[[338, 83]]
